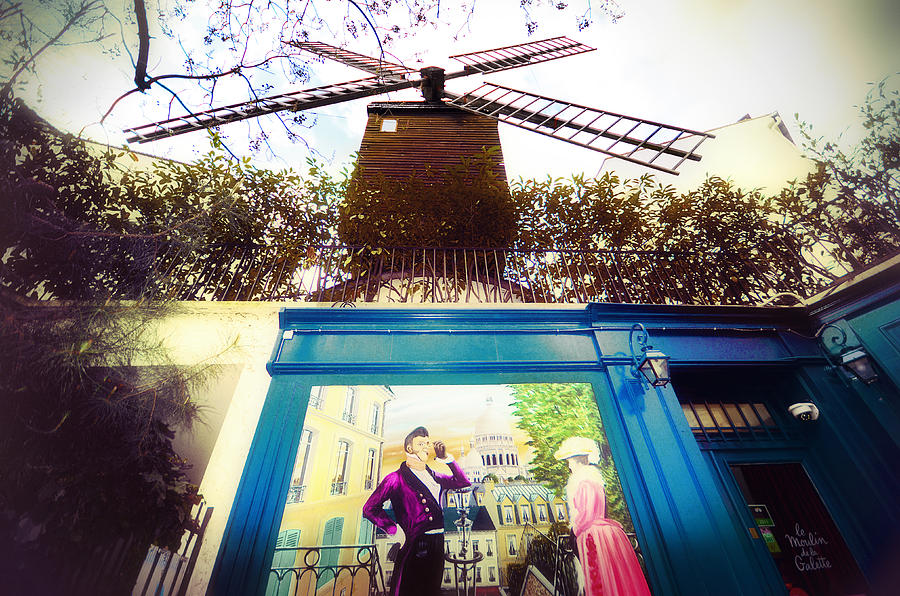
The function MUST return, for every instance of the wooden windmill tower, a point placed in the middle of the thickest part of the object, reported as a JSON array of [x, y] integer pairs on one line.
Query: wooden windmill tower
[[654, 144]]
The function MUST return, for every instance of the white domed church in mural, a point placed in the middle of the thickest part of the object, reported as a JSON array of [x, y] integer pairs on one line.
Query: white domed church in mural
[[492, 449]]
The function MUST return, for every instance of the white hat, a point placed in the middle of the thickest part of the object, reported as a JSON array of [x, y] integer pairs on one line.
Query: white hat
[[578, 446]]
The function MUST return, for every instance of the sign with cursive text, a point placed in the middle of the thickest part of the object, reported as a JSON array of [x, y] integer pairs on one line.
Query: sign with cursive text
[[807, 546]]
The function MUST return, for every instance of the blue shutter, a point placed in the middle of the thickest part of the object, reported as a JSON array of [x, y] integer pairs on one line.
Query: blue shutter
[[286, 539], [334, 528], [366, 532]]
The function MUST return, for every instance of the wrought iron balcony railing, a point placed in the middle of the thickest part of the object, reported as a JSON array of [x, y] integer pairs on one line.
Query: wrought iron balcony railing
[[295, 494], [492, 275], [332, 570], [554, 555]]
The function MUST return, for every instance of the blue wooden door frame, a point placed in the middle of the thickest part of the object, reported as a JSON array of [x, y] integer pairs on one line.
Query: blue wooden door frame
[[682, 520], [722, 459]]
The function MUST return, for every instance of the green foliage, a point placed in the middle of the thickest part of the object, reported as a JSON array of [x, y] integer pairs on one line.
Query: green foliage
[[86, 437], [88, 221], [552, 412], [468, 205], [89, 394], [729, 244], [597, 213], [853, 201]]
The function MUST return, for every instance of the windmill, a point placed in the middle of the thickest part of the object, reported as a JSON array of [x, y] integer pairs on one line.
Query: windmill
[[653, 144]]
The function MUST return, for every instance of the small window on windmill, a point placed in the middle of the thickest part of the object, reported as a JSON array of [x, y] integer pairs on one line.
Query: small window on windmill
[[388, 125]]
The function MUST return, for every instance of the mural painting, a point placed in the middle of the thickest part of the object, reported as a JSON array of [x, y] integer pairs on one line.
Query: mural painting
[[430, 489]]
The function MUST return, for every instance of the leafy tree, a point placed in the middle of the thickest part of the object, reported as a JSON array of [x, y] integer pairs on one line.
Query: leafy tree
[[467, 205], [85, 222], [552, 412], [726, 244], [89, 393], [593, 213], [852, 203]]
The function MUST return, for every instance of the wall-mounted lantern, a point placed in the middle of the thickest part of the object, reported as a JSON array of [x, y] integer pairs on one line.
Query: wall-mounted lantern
[[652, 364], [855, 360]]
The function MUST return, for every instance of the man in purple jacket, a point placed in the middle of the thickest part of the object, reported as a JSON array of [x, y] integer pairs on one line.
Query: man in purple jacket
[[415, 492]]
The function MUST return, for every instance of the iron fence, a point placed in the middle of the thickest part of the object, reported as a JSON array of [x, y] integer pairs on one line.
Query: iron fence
[[318, 570], [555, 556], [343, 274], [296, 493], [167, 572]]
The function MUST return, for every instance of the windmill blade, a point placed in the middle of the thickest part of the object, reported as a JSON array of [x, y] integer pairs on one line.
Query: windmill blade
[[523, 54], [653, 144], [295, 101], [376, 66]]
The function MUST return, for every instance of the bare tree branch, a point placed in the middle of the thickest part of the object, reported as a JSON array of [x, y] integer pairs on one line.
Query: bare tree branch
[[73, 19], [236, 70], [140, 68]]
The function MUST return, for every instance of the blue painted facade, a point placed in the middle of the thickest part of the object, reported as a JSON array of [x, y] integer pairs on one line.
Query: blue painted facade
[[692, 525]]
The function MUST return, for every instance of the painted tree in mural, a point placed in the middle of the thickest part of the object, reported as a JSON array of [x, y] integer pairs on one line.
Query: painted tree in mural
[[552, 412]]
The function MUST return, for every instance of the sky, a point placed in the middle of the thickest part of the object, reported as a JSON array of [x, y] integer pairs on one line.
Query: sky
[[699, 64], [449, 412]]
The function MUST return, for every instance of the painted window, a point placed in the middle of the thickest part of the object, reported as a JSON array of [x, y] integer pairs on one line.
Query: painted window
[[342, 461], [375, 419], [282, 559], [366, 532], [491, 576], [370, 469], [317, 397], [331, 535], [446, 575], [298, 481], [511, 545], [525, 510], [351, 463], [478, 574], [560, 512], [350, 400]]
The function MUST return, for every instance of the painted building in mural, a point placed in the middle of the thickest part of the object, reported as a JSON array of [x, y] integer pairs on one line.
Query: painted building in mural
[[512, 508], [337, 466], [492, 448]]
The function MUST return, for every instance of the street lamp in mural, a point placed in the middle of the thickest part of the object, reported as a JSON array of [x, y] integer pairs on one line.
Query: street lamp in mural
[[652, 364], [463, 561]]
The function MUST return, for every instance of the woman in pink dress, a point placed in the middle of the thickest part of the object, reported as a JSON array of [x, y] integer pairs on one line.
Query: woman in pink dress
[[608, 561]]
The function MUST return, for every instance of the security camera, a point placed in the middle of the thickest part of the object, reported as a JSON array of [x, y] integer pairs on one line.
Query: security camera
[[805, 411]]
